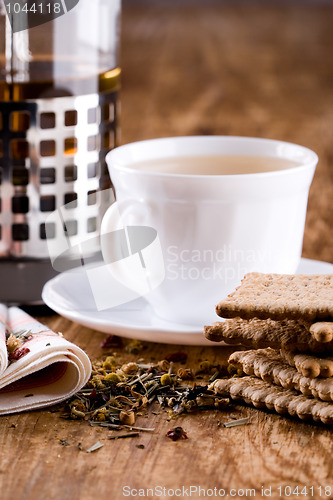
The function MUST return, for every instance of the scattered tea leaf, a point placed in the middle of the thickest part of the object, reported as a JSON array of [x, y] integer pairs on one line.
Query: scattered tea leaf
[[127, 417], [95, 447], [116, 393], [234, 423], [303, 441], [134, 347], [128, 435]]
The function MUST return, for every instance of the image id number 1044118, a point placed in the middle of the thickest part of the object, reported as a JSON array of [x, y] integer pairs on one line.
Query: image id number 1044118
[[299, 491], [26, 14], [34, 8]]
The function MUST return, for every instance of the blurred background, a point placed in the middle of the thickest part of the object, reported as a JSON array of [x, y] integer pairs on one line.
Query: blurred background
[[254, 68]]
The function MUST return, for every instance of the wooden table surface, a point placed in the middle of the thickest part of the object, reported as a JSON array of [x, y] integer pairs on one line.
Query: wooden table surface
[[239, 68]]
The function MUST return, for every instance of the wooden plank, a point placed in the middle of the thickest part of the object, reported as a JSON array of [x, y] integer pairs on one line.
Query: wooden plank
[[271, 450], [243, 68]]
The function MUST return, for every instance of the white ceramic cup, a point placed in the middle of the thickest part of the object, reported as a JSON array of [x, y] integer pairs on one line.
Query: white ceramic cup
[[209, 229]]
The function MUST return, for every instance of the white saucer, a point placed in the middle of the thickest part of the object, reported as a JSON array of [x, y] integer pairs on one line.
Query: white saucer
[[69, 294]]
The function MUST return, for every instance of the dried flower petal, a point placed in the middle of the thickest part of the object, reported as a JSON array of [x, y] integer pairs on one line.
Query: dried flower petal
[[112, 378], [176, 433], [134, 347], [111, 341], [221, 403], [18, 353], [205, 400], [165, 379], [13, 343], [164, 365], [109, 363], [177, 357], [127, 417], [130, 368], [185, 374], [100, 415]]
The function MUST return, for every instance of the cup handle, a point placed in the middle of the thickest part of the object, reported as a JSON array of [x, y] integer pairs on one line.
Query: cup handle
[[112, 222], [132, 253]]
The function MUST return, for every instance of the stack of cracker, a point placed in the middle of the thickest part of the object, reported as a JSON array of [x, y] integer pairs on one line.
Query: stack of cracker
[[287, 321]]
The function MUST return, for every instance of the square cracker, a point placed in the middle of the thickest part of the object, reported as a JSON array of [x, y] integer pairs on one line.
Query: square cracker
[[258, 334], [277, 296]]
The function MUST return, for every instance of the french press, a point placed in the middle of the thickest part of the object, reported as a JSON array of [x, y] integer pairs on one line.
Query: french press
[[59, 86]]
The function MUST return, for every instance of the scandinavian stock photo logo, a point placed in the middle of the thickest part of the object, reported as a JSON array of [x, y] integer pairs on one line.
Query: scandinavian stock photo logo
[[121, 265], [125, 261]]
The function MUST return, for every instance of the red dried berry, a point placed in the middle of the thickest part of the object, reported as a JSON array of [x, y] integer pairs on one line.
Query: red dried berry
[[93, 395], [18, 353], [176, 433], [111, 341], [177, 357]]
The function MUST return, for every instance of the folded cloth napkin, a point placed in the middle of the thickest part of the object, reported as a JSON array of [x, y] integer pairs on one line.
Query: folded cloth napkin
[[38, 367]]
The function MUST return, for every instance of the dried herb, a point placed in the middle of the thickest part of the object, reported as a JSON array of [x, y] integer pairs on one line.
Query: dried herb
[[234, 423], [127, 417], [21, 334], [165, 379], [134, 347], [123, 436], [176, 433], [185, 374], [14, 343], [121, 427], [204, 366], [95, 447], [117, 392]]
